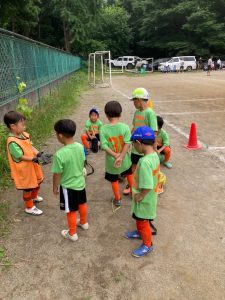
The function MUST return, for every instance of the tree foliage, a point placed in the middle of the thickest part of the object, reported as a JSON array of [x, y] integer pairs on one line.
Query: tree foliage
[[142, 27]]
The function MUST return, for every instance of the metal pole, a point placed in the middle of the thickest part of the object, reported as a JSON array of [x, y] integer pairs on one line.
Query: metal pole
[[102, 68], [110, 74]]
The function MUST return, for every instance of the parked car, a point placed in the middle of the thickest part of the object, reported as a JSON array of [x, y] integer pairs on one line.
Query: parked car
[[174, 63], [144, 62], [158, 61], [126, 61]]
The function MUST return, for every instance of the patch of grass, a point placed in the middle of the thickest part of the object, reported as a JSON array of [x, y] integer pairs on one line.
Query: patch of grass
[[4, 261], [55, 106], [119, 277]]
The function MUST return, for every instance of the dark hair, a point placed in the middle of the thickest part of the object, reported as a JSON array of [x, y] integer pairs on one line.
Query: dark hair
[[147, 142], [113, 109], [160, 122], [13, 117], [66, 127]]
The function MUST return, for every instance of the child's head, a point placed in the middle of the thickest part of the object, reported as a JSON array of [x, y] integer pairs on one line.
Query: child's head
[[113, 109], [139, 96], [65, 129], [15, 121], [94, 114], [160, 122], [142, 138]]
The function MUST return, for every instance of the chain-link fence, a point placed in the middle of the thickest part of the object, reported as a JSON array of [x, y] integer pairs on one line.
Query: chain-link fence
[[36, 64]]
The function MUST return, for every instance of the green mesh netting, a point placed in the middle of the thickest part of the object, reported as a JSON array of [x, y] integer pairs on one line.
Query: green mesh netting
[[33, 63]]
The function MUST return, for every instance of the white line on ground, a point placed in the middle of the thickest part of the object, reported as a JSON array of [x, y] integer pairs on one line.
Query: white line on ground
[[189, 100], [218, 156], [192, 112]]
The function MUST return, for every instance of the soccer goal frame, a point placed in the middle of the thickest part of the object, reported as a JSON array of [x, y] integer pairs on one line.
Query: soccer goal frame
[[105, 78]]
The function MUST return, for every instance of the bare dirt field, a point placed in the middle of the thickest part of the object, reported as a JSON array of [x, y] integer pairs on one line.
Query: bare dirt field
[[188, 260]]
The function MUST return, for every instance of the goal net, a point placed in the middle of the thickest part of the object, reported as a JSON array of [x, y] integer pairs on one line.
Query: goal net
[[99, 69]]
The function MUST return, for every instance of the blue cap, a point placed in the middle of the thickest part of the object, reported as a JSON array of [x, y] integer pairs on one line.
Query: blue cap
[[94, 110], [143, 133]]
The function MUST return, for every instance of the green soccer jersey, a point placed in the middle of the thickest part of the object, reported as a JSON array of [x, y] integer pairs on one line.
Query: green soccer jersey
[[145, 117], [114, 137], [146, 177], [69, 162], [163, 138], [15, 150], [94, 127]]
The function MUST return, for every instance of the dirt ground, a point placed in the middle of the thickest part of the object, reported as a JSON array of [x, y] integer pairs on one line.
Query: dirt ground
[[188, 260]]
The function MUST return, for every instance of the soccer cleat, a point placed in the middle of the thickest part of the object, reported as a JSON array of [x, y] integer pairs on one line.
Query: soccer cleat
[[34, 211], [132, 235], [168, 164], [142, 250], [127, 190], [66, 235], [38, 199]]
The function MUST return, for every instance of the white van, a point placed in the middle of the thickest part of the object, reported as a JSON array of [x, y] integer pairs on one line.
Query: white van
[[125, 61], [175, 63]]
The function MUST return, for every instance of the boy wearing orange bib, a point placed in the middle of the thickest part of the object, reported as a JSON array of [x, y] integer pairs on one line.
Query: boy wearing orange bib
[[23, 161]]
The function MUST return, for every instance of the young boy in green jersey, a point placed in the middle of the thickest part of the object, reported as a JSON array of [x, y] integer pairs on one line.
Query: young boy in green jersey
[[90, 139], [68, 178], [115, 140], [145, 189], [163, 144], [143, 116]]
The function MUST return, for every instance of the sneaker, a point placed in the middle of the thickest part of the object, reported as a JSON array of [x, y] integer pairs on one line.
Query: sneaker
[[132, 235], [117, 202], [142, 251], [85, 226], [160, 190], [38, 199], [127, 190], [168, 164], [34, 211], [66, 235]]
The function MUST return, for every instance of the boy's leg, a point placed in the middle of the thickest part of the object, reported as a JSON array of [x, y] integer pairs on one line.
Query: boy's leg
[[72, 222], [128, 188], [34, 192], [83, 213], [167, 153], [30, 207], [143, 228], [116, 190], [28, 202], [84, 139]]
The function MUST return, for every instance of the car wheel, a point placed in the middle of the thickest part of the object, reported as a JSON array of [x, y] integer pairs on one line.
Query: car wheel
[[189, 68], [129, 66]]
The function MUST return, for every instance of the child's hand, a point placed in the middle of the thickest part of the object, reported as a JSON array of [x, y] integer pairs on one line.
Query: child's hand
[[138, 198], [118, 161], [55, 190]]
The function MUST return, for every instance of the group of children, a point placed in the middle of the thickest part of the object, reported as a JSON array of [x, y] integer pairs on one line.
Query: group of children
[[141, 168]]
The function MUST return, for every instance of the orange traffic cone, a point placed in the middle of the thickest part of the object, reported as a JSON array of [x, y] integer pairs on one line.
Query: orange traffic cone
[[193, 143]]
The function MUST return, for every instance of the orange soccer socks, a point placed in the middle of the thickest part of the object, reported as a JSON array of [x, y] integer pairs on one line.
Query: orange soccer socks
[[34, 192], [145, 232], [167, 153], [83, 213], [72, 222], [28, 199], [84, 139], [116, 190]]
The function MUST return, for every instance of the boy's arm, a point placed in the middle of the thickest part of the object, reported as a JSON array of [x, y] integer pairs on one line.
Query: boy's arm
[[139, 197], [121, 155], [56, 181]]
